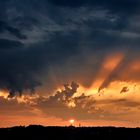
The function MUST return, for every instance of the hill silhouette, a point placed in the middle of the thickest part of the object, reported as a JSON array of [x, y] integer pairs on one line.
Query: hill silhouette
[[38, 132]]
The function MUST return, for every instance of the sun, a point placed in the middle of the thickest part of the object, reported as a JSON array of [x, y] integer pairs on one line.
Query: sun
[[71, 121]]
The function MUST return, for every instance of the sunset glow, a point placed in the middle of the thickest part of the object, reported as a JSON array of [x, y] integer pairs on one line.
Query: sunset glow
[[71, 121]]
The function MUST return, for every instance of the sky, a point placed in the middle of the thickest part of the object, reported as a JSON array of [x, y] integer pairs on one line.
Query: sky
[[70, 59]]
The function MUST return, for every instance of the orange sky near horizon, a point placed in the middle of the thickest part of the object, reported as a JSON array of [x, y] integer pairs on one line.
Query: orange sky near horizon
[[105, 99], [107, 102], [26, 121]]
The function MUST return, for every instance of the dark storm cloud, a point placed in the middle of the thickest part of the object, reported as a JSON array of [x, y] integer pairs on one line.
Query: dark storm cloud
[[53, 40], [21, 66], [9, 44], [14, 31], [126, 6]]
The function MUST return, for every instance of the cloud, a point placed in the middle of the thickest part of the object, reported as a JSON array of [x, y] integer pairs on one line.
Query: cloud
[[124, 89], [52, 42], [10, 44], [66, 103], [72, 103], [14, 31], [13, 108], [114, 6]]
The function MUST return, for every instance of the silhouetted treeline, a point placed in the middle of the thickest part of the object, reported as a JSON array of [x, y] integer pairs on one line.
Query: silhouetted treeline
[[37, 132]]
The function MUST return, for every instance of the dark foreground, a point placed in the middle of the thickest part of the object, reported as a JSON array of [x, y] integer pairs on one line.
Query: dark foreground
[[69, 133]]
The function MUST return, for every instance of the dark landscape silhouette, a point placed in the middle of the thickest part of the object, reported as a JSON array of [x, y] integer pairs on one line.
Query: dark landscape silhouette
[[39, 132]]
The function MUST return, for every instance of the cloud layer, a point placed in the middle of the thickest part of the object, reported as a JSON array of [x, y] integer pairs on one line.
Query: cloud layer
[[52, 42]]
